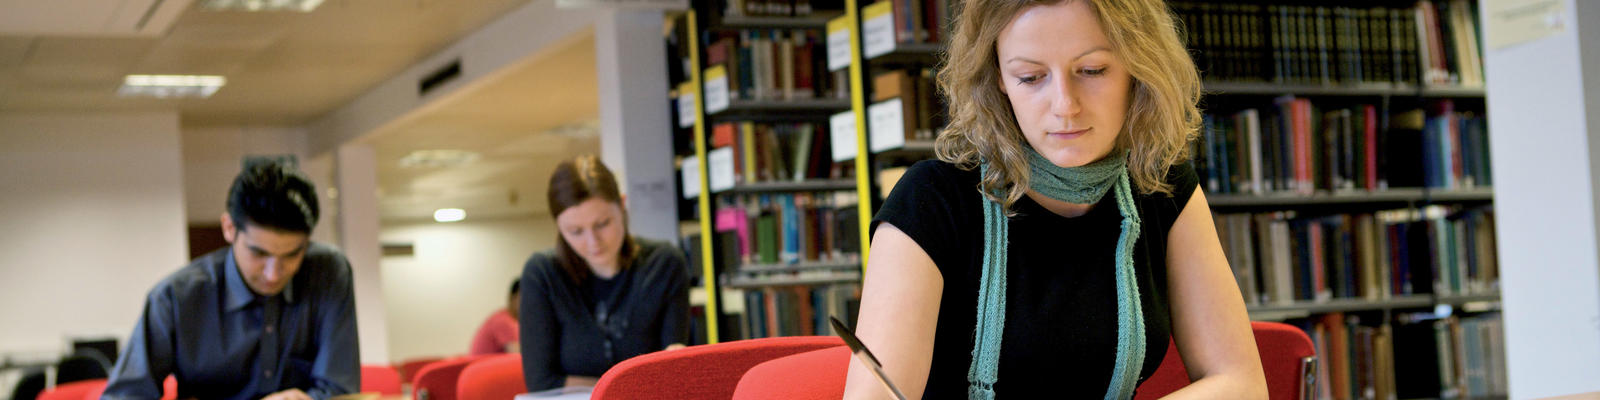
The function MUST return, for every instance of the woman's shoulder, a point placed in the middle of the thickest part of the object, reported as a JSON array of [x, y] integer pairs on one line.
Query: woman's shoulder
[[1182, 180], [542, 265], [656, 254]]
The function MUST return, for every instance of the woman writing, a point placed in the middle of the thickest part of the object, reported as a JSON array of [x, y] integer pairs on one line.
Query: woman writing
[[601, 296], [1061, 238]]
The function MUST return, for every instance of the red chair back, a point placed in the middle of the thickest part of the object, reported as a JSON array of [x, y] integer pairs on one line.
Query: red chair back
[[699, 372], [797, 377], [497, 377], [169, 390], [75, 391], [381, 379], [408, 370], [437, 381], [1287, 357]]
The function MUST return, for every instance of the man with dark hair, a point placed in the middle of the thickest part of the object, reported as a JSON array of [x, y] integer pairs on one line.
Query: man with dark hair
[[271, 316], [500, 333]]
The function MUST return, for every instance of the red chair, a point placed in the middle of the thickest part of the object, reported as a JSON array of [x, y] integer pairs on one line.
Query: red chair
[[169, 390], [409, 369], [437, 381], [1287, 355], [699, 372], [795, 377], [381, 379], [497, 377], [75, 391]]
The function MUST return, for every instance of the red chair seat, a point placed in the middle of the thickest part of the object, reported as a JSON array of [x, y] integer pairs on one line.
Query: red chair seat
[[438, 381], [381, 379], [498, 377], [795, 377], [699, 372]]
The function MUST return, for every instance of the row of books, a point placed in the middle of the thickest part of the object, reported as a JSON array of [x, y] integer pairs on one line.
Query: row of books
[[775, 64], [920, 21], [774, 152], [1432, 43], [921, 105], [790, 228], [1419, 355], [1281, 258], [798, 310], [1297, 147]]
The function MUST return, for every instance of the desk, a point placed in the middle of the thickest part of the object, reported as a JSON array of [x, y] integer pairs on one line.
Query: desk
[[1580, 396], [565, 393]]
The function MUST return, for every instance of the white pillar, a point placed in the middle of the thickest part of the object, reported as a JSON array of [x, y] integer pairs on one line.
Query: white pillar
[[1544, 124], [635, 127], [356, 173]]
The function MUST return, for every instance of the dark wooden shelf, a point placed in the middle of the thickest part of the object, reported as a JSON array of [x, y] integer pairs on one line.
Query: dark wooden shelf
[[1364, 89], [746, 283], [909, 53], [1389, 196], [818, 185], [780, 110], [802, 266], [1306, 308]]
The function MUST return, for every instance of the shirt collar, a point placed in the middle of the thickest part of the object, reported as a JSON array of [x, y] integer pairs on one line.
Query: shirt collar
[[239, 294]]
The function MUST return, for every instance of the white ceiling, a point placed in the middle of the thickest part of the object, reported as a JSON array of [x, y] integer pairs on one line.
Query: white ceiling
[[283, 68], [509, 123], [287, 69]]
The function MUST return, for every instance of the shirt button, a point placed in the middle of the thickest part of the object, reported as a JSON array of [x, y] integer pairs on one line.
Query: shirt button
[[269, 329], [268, 374]]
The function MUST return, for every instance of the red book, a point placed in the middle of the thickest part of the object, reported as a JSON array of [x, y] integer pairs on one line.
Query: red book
[[723, 134], [1319, 280], [803, 62], [1302, 146], [1371, 132]]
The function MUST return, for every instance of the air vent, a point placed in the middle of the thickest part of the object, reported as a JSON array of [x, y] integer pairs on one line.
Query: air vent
[[439, 77]]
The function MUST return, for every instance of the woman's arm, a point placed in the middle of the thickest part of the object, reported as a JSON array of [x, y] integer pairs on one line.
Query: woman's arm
[[899, 311], [1210, 325], [538, 332], [675, 313]]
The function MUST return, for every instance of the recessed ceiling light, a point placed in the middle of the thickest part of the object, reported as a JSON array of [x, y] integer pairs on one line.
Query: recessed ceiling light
[[165, 86], [437, 158], [261, 5], [449, 214]]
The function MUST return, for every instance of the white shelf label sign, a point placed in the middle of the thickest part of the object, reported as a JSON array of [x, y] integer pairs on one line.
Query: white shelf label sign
[[686, 105], [877, 29], [838, 43], [720, 169], [691, 177], [716, 89], [842, 132], [886, 123]]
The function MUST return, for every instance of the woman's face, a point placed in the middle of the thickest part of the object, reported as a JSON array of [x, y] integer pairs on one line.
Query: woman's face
[[1066, 85], [594, 230]]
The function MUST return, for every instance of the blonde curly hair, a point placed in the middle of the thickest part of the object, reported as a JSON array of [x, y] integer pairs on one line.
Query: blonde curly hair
[[1162, 118]]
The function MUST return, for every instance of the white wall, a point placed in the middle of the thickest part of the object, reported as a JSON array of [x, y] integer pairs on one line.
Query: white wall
[[458, 275], [1546, 162], [91, 216], [212, 155]]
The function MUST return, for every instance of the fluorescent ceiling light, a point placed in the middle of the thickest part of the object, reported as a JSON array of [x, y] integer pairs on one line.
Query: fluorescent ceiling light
[[261, 5], [437, 158], [165, 86], [449, 215]]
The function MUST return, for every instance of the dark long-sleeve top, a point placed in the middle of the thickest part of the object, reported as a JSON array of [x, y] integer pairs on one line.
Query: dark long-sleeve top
[[583, 330], [203, 325]]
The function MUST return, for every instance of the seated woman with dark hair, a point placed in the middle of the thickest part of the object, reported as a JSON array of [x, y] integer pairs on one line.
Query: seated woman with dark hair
[[601, 296]]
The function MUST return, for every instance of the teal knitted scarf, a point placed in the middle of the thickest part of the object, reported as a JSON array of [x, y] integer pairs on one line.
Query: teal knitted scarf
[[1078, 185]]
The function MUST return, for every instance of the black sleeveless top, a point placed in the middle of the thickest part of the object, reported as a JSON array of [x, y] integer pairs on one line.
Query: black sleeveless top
[[1061, 319]]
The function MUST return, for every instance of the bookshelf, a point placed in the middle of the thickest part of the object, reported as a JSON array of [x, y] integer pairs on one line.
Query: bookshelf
[[1380, 70], [787, 218]]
